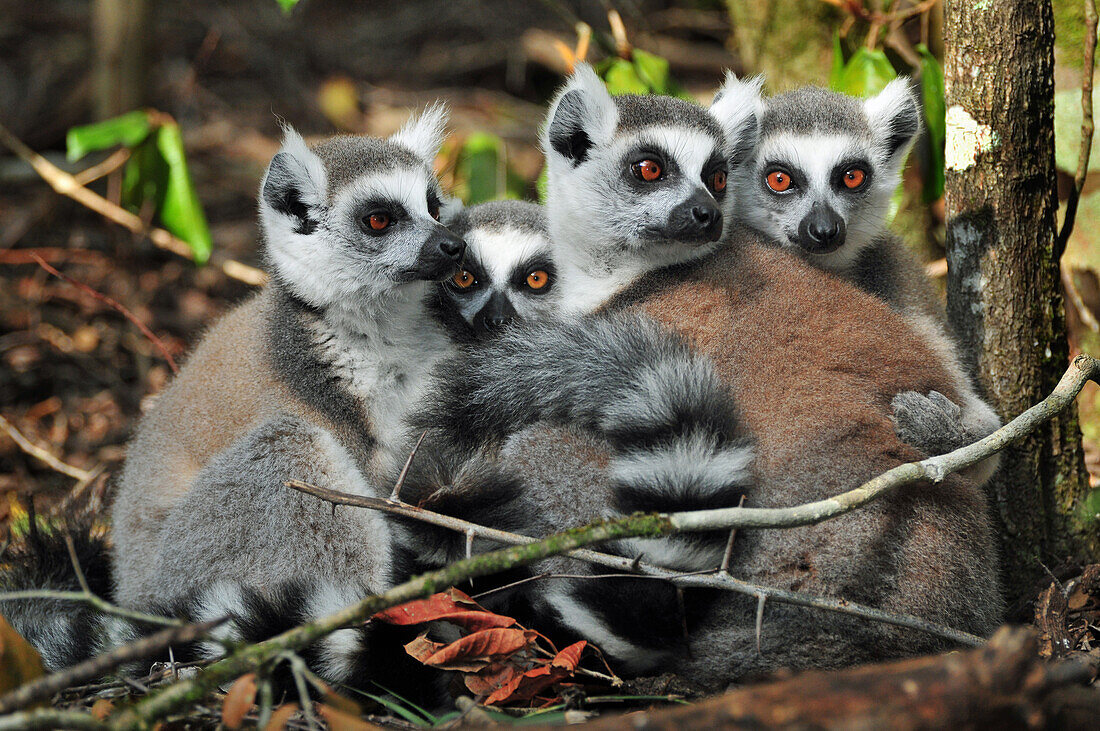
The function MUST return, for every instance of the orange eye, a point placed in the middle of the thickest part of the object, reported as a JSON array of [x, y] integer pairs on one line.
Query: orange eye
[[718, 181], [779, 181], [647, 170], [464, 280], [379, 221], [854, 178], [538, 279]]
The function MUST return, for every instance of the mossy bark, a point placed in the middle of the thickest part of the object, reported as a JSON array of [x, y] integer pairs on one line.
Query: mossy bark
[[1004, 292]]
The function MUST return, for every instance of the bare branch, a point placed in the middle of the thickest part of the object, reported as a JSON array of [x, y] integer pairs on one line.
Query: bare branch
[[49, 718], [396, 494], [115, 305], [45, 687], [43, 455], [69, 186], [90, 599]]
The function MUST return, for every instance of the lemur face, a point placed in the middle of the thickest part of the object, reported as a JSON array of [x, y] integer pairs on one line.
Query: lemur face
[[825, 168], [508, 272], [639, 176], [358, 217]]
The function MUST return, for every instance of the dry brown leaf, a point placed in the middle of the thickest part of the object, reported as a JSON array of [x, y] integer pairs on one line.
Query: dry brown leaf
[[102, 708], [19, 662], [341, 721], [239, 701], [281, 716]]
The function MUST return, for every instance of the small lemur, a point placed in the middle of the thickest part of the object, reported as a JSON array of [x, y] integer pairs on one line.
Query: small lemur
[[819, 183], [310, 379], [508, 272], [637, 208]]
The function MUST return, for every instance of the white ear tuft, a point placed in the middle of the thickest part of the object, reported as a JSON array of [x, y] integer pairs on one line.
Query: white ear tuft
[[295, 182], [424, 133], [582, 113], [894, 116], [738, 105]]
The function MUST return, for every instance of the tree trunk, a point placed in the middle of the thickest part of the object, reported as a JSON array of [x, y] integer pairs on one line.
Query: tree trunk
[[119, 37], [1004, 294]]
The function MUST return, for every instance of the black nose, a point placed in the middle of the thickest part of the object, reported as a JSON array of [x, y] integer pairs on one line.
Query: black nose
[[452, 247], [822, 230], [703, 215], [695, 220], [496, 313]]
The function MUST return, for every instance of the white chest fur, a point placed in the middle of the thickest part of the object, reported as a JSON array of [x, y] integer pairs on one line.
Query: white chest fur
[[385, 361]]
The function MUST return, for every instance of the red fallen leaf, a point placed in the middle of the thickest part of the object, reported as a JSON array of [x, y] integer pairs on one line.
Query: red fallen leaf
[[473, 651], [451, 606], [531, 683], [489, 679], [238, 701]]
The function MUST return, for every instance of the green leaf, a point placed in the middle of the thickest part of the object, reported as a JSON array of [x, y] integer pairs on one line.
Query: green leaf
[[180, 210], [935, 120], [144, 177], [837, 71], [128, 130], [1067, 130], [622, 78], [482, 170], [287, 5], [652, 70], [865, 74]]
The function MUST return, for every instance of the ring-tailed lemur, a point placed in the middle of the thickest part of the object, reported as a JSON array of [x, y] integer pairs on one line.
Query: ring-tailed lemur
[[508, 272], [310, 379], [819, 183], [813, 386]]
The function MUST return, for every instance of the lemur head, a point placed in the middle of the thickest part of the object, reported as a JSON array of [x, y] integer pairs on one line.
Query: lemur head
[[354, 218], [825, 168], [638, 177], [508, 273]]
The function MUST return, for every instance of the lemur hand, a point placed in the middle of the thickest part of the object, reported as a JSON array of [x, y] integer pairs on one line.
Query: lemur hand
[[933, 423]]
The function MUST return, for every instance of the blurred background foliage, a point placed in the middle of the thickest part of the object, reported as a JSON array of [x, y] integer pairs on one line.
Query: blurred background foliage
[[197, 91]]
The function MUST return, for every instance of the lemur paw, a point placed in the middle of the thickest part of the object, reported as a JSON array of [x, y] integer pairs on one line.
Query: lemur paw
[[933, 423]]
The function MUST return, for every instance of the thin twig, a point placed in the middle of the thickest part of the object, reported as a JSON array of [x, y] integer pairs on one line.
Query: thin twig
[[51, 718], [115, 305], [76, 563], [113, 162], [45, 687], [68, 185], [43, 455], [761, 599], [396, 494], [90, 599], [1087, 128], [711, 579]]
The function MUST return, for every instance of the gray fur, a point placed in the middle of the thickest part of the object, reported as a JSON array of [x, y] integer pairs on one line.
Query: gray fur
[[311, 380], [608, 224], [926, 550], [812, 134], [812, 110], [349, 157]]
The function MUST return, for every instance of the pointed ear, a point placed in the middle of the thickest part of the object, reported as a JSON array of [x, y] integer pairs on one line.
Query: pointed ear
[[737, 106], [582, 114], [294, 185], [424, 133], [894, 116]]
